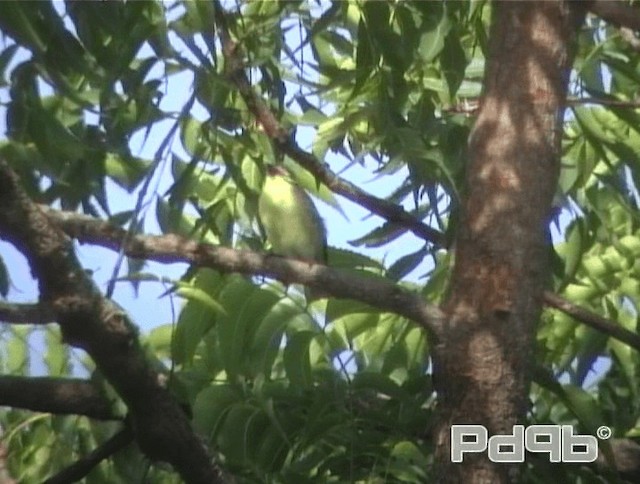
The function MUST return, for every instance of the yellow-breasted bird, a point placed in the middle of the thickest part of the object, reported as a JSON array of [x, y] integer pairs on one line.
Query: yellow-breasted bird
[[291, 221]]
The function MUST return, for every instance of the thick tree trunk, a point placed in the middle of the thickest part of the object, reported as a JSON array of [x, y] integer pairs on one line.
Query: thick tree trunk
[[483, 362]]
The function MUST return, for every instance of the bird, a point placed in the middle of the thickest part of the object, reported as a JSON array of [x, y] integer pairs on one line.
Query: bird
[[291, 221]]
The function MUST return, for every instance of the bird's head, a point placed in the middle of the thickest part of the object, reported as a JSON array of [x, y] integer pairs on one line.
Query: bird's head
[[277, 170]]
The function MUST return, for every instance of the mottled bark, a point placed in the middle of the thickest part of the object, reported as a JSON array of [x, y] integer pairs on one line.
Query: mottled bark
[[91, 322], [482, 364]]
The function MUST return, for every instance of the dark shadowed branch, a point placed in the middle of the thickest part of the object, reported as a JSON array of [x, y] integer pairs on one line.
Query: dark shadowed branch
[[618, 13], [82, 467], [25, 313], [89, 321], [62, 396]]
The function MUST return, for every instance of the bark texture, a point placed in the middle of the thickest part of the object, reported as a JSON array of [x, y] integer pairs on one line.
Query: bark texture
[[104, 331], [482, 363]]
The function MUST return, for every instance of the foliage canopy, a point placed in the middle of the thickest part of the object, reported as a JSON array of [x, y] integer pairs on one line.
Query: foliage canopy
[[337, 391]]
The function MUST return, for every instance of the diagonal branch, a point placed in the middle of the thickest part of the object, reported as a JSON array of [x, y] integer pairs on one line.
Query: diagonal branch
[[620, 14], [234, 66], [83, 466], [378, 292], [89, 321], [593, 320], [61, 396]]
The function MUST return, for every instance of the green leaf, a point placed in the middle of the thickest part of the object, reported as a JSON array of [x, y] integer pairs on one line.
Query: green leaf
[[17, 356], [432, 41], [246, 306], [406, 264], [267, 337], [159, 340], [172, 220], [211, 406], [384, 234], [367, 57], [240, 433], [56, 357], [197, 317], [380, 384], [272, 451], [128, 171], [408, 463], [591, 124], [573, 250], [197, 294], [584, 407], [347, 259], [297, 361]]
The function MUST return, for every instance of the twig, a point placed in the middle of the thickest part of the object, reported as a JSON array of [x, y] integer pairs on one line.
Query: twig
[[79, 469]]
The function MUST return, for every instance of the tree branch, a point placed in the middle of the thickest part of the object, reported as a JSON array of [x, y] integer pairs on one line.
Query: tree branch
[[377, 292], [173, 248], [61, 396], [82, 467], [615, 103], [626, 453], [25, 313], [89, 321], [593, 320], [620, 14], [234, 66]]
